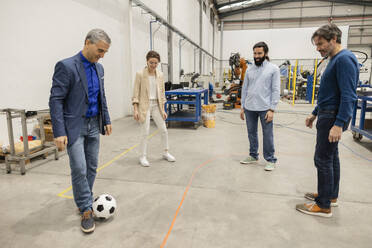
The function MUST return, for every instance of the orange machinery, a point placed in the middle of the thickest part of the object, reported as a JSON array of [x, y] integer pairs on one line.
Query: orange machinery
[[238, 66]]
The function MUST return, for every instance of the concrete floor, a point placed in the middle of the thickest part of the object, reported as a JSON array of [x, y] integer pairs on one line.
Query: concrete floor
[[227, 204]]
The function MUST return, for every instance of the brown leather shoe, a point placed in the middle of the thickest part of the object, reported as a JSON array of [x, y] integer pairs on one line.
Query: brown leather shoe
[[314, 209], [312, 196]]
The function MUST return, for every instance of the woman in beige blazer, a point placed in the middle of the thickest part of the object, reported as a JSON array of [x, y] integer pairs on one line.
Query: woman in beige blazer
[[148, 100]]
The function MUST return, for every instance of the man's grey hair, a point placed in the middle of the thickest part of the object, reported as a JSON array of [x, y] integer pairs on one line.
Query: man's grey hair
[[96, 35]]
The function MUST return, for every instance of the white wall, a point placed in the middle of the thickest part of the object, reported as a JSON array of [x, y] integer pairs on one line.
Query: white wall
[[290, 43], [36, 34], [185, 17], [141, 38], [159, 6]]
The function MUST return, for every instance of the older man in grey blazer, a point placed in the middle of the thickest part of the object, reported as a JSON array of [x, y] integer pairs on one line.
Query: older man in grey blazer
[[79, 114]]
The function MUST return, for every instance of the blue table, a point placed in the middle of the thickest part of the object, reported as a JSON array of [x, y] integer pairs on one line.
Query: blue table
[[180, 97], [364, 106]]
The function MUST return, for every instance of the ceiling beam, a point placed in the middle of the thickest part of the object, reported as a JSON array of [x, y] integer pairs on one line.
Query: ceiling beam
[[214, 9], [215, 3], [353, 2], [293, 19], [277, 2], [363, 35], [251, 8], [228, 3]]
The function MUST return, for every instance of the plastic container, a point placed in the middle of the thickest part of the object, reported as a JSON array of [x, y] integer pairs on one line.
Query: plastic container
[[30, 137], [209, 115]]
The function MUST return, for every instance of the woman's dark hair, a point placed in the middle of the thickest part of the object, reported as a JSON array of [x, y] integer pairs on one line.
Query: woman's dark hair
[[265, 48], [153, 54], [328, 32]]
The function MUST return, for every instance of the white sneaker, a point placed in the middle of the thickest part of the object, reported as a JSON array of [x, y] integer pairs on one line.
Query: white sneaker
[[143, 161], [169, 157]]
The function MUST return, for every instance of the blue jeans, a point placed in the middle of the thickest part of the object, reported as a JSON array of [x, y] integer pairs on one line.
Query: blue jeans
[[326, 161], [251, 118], [83, 156]]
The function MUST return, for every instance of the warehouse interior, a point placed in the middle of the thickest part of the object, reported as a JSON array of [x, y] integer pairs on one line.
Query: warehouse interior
[[207, 198]]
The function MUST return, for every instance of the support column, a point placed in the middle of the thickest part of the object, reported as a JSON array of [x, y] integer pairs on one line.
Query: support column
[[170, 43], [200, 36], [214, 30], [221, 55]]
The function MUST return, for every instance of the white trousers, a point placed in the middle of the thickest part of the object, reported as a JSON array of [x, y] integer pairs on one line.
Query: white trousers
[[153, 111]]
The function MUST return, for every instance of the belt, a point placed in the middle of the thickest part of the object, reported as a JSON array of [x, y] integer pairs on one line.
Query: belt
[[327, 111]]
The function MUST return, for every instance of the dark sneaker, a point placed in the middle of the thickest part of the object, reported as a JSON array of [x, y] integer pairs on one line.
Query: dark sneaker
[[87, 222], [312, 196], [313, 209]]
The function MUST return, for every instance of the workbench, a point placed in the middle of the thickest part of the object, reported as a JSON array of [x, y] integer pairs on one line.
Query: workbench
[[176, 101], [20, 158], [364, 103]]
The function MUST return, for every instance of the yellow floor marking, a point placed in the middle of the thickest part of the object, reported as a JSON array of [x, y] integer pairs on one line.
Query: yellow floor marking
[[62, 194]]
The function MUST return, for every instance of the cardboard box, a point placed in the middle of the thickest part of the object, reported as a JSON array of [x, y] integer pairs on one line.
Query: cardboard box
[[48, 132], [48, 128], [368, 124]]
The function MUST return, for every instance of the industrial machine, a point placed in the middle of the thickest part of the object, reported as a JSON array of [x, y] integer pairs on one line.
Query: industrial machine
[[234, 89], [195, 80], [300, 83], [361, 125]]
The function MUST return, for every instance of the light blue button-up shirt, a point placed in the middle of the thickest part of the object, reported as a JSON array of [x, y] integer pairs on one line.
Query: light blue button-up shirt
[[261, 87]]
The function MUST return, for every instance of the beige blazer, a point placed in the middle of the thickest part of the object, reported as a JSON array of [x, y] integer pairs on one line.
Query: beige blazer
[[141, 94]]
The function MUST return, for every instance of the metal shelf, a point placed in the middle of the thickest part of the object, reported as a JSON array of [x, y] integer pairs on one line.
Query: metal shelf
[[27, 154], [364, 106]]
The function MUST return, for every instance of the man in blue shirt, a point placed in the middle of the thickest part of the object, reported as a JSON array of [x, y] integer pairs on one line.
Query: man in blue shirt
[[79, 114], [260, 95], [336, 99]]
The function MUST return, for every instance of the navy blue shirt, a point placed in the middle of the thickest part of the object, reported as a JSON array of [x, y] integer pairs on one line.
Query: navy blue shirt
[[338, 85], [93, 86]]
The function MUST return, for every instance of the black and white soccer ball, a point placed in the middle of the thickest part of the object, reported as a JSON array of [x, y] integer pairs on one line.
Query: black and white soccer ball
[[104, 206]]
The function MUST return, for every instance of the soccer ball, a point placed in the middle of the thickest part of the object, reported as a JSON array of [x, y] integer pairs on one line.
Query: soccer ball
[[104, 206]]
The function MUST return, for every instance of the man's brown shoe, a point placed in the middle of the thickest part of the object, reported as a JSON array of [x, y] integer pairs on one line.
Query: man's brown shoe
[[314, 209], [312, 196]]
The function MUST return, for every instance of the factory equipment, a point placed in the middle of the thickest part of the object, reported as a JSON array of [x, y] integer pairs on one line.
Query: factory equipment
[[184, 105], [195, 80], [233, 90], [364, 104], [300, 83]]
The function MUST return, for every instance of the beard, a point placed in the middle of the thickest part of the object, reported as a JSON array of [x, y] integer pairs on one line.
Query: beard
[[259, 61], [324, 53]]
